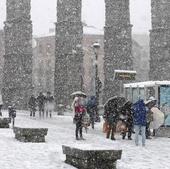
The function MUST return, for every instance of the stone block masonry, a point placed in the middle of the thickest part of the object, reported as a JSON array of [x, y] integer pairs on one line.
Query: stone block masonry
[[4, 122], [91, 159], [17, 80], [160, 40], [68, 52], [117, 44], [34, 135]]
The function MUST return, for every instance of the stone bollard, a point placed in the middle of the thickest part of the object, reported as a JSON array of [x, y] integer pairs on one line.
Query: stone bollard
[[34, 135], [4, 122], [91, 159]]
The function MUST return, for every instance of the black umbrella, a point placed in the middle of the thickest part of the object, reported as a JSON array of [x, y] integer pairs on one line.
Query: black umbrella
[[115, 102]]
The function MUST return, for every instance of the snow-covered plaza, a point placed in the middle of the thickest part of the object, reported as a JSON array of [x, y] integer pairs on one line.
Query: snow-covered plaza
[[18, 155]]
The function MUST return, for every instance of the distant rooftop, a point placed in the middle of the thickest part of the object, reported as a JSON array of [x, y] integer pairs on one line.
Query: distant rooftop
[[146, 83]]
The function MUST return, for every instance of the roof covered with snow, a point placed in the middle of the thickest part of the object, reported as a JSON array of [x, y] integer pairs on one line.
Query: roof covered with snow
[[146, 83], [125, 71]]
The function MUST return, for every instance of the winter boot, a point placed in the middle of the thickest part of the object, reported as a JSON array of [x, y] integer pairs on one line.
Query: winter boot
[[77, 138], [81, 138]]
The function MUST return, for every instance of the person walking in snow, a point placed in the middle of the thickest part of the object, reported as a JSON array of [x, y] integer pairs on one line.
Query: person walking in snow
[[110, 116], [128, 120], [49, 104], [12, 114], [139, 118], [91, 110], [1, 104], [32, 103], [150, 103], [41, 104], [79, 111]]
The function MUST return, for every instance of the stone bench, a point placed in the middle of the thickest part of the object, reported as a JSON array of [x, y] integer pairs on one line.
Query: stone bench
[[4, 122], [163, 132], [91, 159], [35, 135]]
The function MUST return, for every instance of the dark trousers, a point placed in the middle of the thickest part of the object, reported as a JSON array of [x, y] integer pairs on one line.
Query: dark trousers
[[0, 110], [148, 132], [32, 113], [41, 111], [129, 133], [79, 128], [111, 130], [49, 112]]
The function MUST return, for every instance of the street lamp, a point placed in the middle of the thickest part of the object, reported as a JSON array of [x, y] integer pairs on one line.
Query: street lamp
[[96, 48]]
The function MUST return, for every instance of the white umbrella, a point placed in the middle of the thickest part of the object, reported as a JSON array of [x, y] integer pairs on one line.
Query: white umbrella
[[158, 118], [78, 93]]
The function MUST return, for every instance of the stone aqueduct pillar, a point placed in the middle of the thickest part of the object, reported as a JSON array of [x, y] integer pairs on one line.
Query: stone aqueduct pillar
[[117, 44], [160, 40], [17, 80], [69, 51]]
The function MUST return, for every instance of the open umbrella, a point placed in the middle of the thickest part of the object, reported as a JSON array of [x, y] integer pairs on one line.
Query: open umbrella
[[116, 100], [79, 94]]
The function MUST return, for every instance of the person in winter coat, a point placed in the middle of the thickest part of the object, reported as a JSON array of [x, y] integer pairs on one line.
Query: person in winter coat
[[12, 114], [149, 104], [41, 103], [139, 119], [91, 109], [49, 105], [32, 103], [128, 121], [79, 111], [1, 104], [111, 117]]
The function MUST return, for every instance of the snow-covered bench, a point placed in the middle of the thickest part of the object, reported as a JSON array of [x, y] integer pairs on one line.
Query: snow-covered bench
[[35, 135], [4, 122], [91, 159]]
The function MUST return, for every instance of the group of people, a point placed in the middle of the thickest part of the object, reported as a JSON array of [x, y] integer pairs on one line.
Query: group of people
[[130, 118], [44, 103]]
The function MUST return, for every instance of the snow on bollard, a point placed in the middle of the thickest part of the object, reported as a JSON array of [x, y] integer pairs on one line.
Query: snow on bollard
[[34, 135], [91, 159], [4, 122]]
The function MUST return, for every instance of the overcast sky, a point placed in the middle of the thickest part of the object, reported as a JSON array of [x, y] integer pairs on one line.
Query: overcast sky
[[43, 14]]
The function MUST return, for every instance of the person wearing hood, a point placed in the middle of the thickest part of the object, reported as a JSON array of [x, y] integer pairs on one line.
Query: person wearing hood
[[91, 109], [139, 120]]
